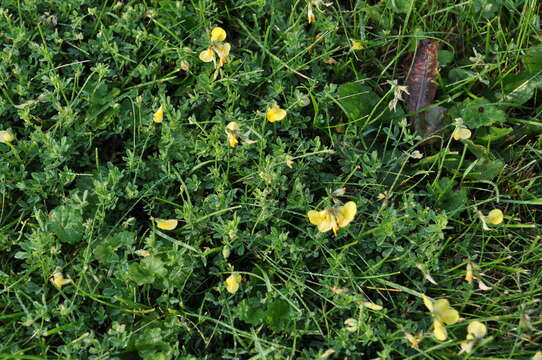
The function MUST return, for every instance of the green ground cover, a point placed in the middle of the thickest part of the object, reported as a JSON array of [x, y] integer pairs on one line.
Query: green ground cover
[[158, 181]]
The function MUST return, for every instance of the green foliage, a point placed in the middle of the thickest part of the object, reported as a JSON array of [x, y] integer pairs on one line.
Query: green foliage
[[89, 169]]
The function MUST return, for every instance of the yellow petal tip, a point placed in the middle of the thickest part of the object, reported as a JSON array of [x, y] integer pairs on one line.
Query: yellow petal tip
[[169, 224], [218, 34]]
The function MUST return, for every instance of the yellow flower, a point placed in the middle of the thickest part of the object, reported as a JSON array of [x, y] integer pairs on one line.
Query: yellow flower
[[6, 137], [461, 132], [398, 91], [469, 277], [442, 313], [310, 14], [58, 279], [275, 113], [232, 283], [170, 224], [357, 45], [158, 116], [413, 340], [495, 217], [439, 331], [538, 355], [232, 130], [218, 34], [221, 49], [351, 325], [475, 331], [207, 55], [333, 218]]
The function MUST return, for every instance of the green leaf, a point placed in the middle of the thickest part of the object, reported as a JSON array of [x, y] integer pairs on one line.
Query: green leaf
[[533, 60], [489, 135], [67, 224], [478, 112], [104, 253], [487, 8], [400, 6], [486, 169], [146, 271], [356, 100], [447, 196], [251, 311], [481, 152], [278, 314], [520, 88], [457, 74], [150, 345], [445, 57]]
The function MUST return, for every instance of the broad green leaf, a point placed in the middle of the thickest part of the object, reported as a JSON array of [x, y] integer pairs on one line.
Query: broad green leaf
[[533, 60], [486, 169], [447, 195], [489, 135], [147, 270], [67, 224], [478, 112], [357, 100], [519, 89], [278, 314], [251, 311], [445, 57]]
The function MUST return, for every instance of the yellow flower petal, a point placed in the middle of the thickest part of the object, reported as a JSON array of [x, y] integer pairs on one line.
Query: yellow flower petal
[[413, 340], [207, 55], [466, 346], [427, 302], [323, 219], [222, 50], [316, 217], [232, 126], [461, 133], [538, 355], [346, 213], [372, 306], [468, 275], [352, 325], [327, 223], [477, 329], [6, 137], [158, 116], [218, 34], [495, 217], [275, 113], [310, 15], [232, 283], [170, 224], [58, 280], [357, 45], [439, 331], [232, 140], [444, 312]]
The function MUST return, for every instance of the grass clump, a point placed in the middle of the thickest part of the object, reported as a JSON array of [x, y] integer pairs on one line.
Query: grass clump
[[162, 163]]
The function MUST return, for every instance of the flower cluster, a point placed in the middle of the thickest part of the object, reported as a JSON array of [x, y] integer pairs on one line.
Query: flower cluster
[[218, 47]]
